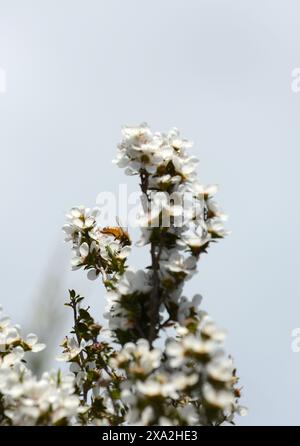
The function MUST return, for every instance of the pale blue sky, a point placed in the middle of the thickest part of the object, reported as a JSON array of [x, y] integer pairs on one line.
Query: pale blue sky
[[219, 70]]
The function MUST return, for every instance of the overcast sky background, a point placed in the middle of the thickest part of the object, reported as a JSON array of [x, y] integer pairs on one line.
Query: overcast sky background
[[221, 72]]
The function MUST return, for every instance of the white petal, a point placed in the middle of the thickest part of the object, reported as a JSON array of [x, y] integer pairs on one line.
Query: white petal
[[89, 222], [78, 223], [76, 261], [75, 212], [68, 229], [84, 249], [38, 347], [31, 339]]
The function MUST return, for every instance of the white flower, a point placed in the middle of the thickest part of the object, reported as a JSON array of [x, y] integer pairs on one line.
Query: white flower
[[221, 399], [133, 281], [115, 314], [10, 335], [221, 369], [4, 322], [242, 411], [188, 412], [178, 263], [140, 149], [136, 136], [128, 397], [196, 237], [132, 148], [10, 369], [210, 330], [139, 356], [215, 226], [80, 375], [80, 255], [180, 145], [47, 397], [159, 385], [166, 385], [185, 307], [151, 388], [164, 182], [148, 359], [73, 349], [27, 400], [188, 346], [203, 191], [186, 166], [79, 219], [32, 342]]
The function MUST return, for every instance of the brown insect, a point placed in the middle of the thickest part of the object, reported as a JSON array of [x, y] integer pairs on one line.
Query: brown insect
[[118, 233]]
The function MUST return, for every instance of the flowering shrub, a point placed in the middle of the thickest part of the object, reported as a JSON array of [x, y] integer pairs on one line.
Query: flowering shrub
[[24, 399], [161, 361]]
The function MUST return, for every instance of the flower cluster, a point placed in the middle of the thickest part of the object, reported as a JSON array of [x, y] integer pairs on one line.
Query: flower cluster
[[100, 251], [25, 399], [190, 381], [95, 382], [164, 165], [180, 219], [119, 376], [127, 307], [150, 388], [199, 349], [164, 156]]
